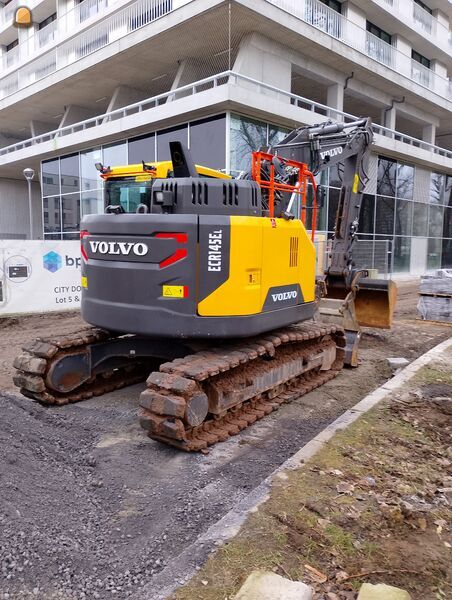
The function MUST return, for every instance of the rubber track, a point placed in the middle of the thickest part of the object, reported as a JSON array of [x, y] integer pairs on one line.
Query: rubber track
[[181, 379], [35, 360]]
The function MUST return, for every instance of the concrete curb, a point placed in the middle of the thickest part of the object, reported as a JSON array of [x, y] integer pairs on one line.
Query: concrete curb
[[183, 567]]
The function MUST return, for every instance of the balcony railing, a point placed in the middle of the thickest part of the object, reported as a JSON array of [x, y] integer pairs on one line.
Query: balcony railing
[[424, 20], [38, 62], [380, 51], [413, 15], [201, 86], [323, 17], [422, 74], [336, 25]]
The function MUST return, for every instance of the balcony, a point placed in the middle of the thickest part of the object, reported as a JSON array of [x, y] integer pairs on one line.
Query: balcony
[[102, 22], [235, 88], [337, 26], [416, 17]]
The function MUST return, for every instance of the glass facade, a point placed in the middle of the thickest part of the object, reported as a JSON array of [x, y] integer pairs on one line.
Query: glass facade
[[416, 228], [417, 235], [72, 187]]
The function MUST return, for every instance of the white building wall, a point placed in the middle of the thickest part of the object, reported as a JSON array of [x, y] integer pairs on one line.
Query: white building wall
[[14, 215]]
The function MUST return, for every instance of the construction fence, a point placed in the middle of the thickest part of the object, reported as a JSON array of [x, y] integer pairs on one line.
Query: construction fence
[[38, 276]]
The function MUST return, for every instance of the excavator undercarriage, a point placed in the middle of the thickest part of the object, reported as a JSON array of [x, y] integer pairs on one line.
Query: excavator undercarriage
[[206, 288], [209, 393]]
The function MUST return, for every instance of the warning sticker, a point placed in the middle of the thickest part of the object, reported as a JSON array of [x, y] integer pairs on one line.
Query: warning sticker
[[84, 281], [175, 291]]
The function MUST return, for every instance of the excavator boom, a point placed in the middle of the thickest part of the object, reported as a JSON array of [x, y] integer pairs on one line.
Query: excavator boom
[[350, 297]]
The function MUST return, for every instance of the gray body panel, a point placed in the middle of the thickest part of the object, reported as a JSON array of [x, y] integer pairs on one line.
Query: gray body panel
[[128, 265]]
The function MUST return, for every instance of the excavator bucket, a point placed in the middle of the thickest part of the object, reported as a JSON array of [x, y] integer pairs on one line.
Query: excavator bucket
[[372, 305], [375, 303]]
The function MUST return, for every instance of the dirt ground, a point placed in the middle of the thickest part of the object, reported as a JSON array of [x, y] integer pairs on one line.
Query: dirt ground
[[90, 508], [374, 505]]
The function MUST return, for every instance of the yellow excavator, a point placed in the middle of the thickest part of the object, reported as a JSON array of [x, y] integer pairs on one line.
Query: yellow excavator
[[206, 286]]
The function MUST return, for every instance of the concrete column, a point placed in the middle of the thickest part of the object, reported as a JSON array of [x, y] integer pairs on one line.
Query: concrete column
[[26, 40], [189, 71], [429, 133], [388, 117], [39, 127], [122, 96], [403, 55], [62, 8], [440, 83], [74, 114], [354, 13], [335, 99], [442, 27], [264, 60], [356, 25]]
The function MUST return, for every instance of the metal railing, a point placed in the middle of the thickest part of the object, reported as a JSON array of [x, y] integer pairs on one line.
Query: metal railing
[[424, 20], [379, 50], [417, 17], [421, 74], [367, 254], [323, 17], [142, 12], [207, 84], [336, 25], [110, 29]]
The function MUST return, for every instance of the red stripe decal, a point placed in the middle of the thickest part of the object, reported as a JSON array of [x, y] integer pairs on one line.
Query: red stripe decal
[[181, 238], [175, 257], [83, 234], [179, 254]]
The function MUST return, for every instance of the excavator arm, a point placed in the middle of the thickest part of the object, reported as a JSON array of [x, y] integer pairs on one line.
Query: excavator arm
[[349, 296]]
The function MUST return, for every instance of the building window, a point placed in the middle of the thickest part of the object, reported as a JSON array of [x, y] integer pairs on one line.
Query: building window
[[420, 59], [115, 155], [50, 177], [47, 21], [247, 135], [70, 174], [424, 6], [208, 142], [378, 32], [437, 189], [52, 217], [386, 177], [405, 181], [420, 219], [384, 219], [12, 45], [89, 174], [142, 148], [334, 4], [164, 137], [70, 212]]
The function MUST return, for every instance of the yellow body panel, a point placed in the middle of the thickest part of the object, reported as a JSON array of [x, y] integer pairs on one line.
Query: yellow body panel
[[263, 255], [161, 172]]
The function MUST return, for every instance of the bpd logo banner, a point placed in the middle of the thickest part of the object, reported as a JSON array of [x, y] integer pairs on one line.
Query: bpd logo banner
[[52, 261]]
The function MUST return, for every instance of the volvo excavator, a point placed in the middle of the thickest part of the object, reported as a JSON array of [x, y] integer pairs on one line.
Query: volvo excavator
[[206, 286]]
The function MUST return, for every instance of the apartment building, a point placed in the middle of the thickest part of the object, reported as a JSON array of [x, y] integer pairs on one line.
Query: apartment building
[[113, 81]]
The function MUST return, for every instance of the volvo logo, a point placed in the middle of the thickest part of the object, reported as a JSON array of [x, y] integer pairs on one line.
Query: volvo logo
[[332, 152], [122, 248], [284, 296]]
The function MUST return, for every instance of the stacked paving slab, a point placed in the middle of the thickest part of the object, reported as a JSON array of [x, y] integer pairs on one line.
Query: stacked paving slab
[[435, 296]]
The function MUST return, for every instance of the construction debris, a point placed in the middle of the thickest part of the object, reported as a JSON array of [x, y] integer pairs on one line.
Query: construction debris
[[435, 296], [263, 585], [398, 363], [382, 592]]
